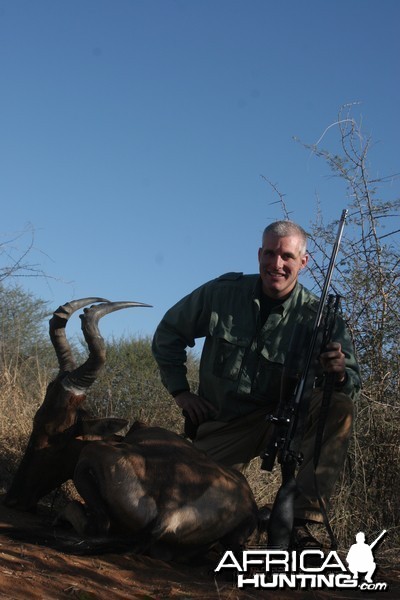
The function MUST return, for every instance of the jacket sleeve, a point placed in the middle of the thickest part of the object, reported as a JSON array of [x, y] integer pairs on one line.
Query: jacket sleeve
[[352, 384], [181, 325]]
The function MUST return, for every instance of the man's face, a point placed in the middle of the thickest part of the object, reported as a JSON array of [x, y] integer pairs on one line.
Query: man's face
[[280, 260]]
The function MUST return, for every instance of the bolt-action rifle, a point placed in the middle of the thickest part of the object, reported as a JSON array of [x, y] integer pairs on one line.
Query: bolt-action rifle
[[296, 391]]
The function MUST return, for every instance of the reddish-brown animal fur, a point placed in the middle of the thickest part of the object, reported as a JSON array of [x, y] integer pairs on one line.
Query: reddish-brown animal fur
[[151, 484]]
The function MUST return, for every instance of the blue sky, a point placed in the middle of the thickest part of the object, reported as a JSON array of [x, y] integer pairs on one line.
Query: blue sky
[[135, 134]]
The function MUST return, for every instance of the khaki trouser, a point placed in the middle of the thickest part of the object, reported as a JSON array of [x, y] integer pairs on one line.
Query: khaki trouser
[[237, 442]]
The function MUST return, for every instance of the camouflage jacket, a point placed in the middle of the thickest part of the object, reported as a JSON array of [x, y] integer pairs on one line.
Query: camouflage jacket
[[242, 360]]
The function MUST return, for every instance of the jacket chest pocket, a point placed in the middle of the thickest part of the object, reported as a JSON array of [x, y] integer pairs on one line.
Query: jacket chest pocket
[[229, 356]]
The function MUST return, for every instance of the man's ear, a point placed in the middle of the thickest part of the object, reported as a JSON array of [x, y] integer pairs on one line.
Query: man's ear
[[304, 260]]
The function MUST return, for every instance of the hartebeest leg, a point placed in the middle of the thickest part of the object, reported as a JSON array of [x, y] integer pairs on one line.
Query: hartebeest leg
[[98, 518], [73, 513]]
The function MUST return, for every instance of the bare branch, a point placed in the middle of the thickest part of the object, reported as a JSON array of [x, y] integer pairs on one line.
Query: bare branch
[[281, 196], [14, 255]]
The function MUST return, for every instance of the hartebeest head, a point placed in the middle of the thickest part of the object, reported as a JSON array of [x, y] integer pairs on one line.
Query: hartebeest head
[[61, 424]]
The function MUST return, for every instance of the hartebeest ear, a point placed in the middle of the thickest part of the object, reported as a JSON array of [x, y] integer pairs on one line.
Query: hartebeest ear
[[102, 427]]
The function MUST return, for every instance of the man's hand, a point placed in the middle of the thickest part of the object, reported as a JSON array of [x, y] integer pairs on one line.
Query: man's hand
[[197, 408], [333, 361]]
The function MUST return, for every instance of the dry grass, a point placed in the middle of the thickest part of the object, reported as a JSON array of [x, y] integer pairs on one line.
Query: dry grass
[[19, 400]]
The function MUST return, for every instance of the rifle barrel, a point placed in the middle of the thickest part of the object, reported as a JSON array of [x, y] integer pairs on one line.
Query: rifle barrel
[[331, 265], [377, 539]]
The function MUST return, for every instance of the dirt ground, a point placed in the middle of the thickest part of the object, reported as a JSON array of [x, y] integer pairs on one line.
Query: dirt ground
[[32, 568]]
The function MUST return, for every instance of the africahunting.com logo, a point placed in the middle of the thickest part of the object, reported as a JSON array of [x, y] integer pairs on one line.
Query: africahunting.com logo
[[311, 569]]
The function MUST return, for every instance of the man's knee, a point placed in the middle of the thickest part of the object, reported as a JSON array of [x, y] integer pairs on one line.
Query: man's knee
[[339, 416]]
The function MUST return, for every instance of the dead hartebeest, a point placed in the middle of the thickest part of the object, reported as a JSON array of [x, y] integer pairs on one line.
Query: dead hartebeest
[[151, 484]]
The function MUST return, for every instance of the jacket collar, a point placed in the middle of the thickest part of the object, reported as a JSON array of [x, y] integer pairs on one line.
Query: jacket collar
[[286, 304]]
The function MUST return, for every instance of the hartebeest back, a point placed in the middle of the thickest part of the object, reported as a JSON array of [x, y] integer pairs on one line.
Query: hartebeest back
[[151, 484]]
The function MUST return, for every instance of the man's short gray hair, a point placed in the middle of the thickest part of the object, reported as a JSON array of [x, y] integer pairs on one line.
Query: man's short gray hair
[[286, 228]]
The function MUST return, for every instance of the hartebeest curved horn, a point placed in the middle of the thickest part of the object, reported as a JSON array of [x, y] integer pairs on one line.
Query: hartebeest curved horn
[[83, 377], [57, 326]]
